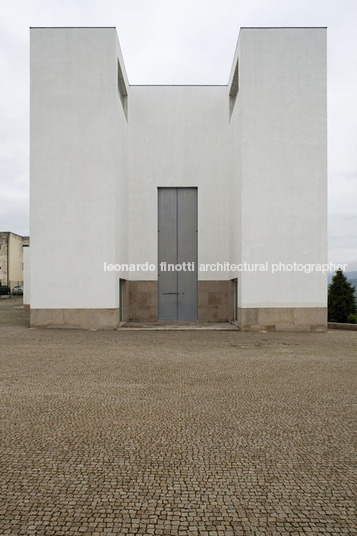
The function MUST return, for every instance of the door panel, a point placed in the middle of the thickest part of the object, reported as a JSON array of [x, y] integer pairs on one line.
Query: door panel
[[167, 241], [187, 252]]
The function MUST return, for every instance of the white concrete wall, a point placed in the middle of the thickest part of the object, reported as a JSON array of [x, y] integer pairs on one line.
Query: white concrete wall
[[282, 139], [260, 174], [78, 131], [178, 136], [235, 156]]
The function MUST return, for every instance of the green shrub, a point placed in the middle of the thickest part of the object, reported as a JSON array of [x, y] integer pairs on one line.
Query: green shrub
[[352, 319]]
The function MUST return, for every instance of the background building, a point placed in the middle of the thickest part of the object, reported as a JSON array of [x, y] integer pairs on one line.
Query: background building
[[11, 258], [218, 176]]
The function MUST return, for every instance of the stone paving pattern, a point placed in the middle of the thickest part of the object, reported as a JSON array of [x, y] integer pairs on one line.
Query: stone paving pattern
[[176, 433]]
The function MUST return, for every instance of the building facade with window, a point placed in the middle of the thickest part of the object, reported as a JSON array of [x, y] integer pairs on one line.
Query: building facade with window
[[178, 203], [12, 258]]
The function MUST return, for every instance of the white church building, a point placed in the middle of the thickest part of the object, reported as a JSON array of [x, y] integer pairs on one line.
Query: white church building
[[178, 203]]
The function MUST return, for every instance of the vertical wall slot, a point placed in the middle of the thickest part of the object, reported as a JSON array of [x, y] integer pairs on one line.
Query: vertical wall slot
[[233, 92], [122, 91]]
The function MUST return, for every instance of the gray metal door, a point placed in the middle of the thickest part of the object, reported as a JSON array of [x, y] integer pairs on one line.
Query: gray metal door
[[177, 240]]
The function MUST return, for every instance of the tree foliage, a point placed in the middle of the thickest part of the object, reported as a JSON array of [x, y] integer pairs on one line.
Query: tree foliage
[[352, 319], [341, 299]]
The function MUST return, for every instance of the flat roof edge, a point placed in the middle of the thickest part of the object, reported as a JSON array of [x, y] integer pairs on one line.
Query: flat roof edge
[[72, 27], [178, 85], [283, 27]]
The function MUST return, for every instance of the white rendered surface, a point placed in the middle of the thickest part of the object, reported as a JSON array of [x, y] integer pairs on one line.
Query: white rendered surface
[[178, 136], [77, 166], [280, 124], [261, 173]]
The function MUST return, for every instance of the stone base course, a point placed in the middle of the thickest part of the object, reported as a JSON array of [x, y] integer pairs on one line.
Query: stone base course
[[283, 319], [215, 304], [75, 318], [349, 327], [143, 302], [215, 301]]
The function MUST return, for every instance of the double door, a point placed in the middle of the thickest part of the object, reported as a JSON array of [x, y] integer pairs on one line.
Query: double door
[[177, 255]]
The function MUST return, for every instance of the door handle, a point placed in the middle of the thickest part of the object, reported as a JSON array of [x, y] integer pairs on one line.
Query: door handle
[[173, 293]]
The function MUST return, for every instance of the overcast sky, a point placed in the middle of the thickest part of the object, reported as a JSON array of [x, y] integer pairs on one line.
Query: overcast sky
[[183, 42]]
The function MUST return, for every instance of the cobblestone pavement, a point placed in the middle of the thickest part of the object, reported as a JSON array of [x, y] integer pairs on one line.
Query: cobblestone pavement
[[176, 433]]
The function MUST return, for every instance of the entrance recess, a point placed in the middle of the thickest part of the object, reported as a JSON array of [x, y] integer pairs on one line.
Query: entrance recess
[[177, 243]]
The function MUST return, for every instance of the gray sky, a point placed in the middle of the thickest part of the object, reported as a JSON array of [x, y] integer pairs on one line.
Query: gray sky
[[183, 42]]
